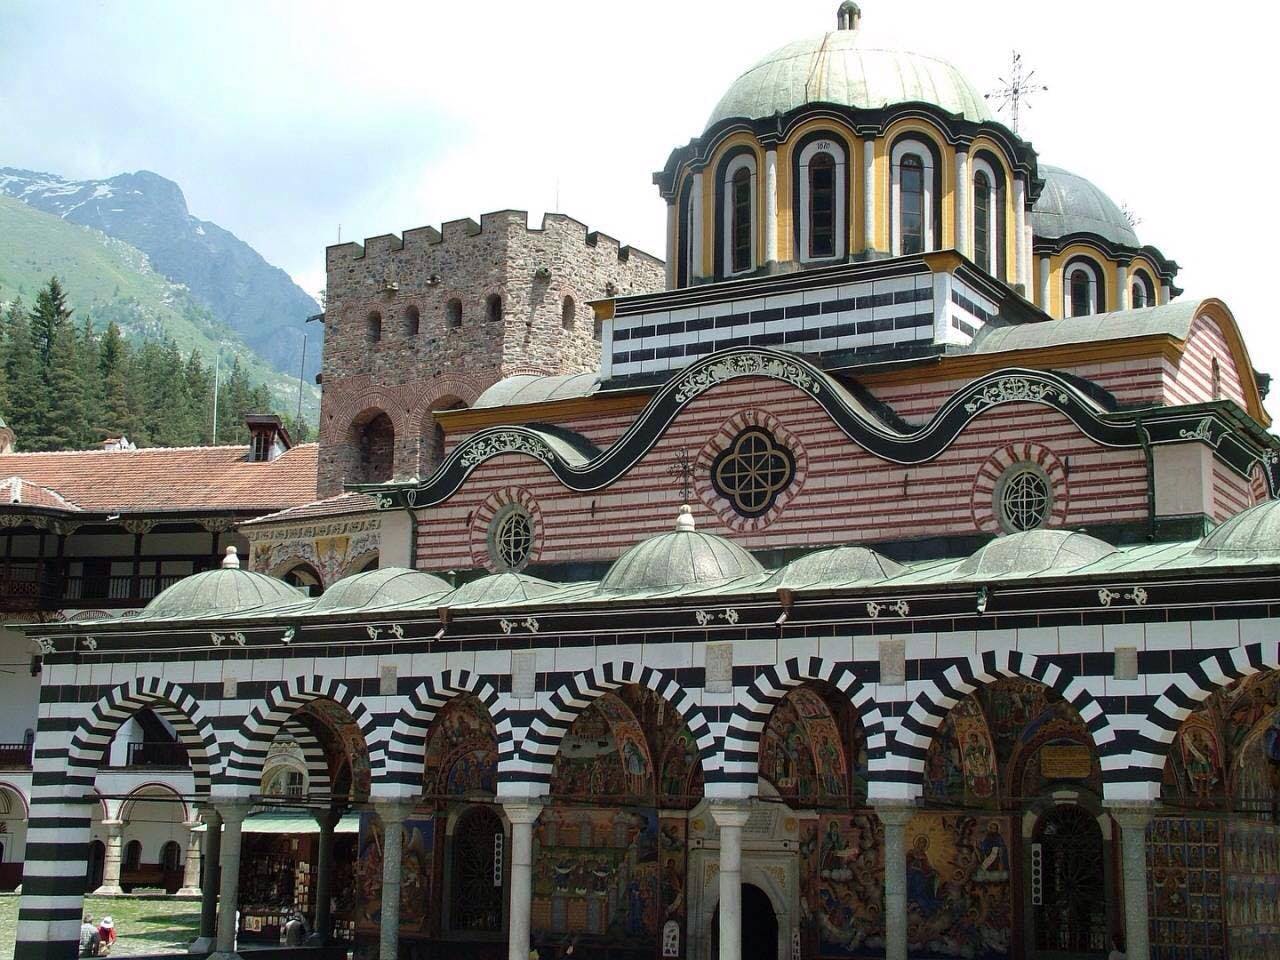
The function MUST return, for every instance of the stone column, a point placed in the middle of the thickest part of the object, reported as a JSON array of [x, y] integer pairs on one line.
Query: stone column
[[1122, 288], [1164, 293], [191, 869], [111, 862], [730, 818], [964, 236], [673, 242], [233, 813], [1044, 284], [322, 921], [771, 205], [1133, 822], [695, 227], [1022, 255], [209, 886], [522, 814], [895, 819], [868, 194], [393, 815]]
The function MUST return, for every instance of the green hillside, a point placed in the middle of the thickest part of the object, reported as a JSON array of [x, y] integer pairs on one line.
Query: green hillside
[[107, 279]]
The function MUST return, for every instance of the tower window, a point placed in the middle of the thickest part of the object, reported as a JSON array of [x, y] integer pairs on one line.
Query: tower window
[[822, 206], [493, 308], [374, 327], [740, 235], [568, 313], [982, 220], [911, 201], [1083, 288], [1142, 292], [453, 313], [412, 321]]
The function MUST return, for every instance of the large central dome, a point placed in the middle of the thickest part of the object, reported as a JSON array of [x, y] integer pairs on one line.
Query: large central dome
[[833, 68]]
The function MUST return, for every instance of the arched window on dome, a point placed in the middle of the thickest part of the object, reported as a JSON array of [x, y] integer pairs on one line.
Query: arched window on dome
[[989, 214], [983, 212], [912, 197], [1082, 284], [737, 201], [1142, 292], [820, 217], [684, 239]]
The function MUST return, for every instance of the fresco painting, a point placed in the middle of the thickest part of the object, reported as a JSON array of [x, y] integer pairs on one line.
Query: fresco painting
[[813, 750], [842, 885], [960, 767], [1055, 750], [1252, 902], [417, 878], [462, 751], [1185, 884], [604, 756], [673, 859], [343, 744]]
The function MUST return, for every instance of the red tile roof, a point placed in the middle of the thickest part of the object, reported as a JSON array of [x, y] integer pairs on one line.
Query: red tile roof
[[168, 479], [340, 505], [17, 490]]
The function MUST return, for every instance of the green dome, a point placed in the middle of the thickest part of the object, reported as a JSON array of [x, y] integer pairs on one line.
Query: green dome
[[498, 589], [1071, 204], [379, 588], [682, 558], [219, 592], [1249, 532], [833, 68], [1034, 552], [838, 565]]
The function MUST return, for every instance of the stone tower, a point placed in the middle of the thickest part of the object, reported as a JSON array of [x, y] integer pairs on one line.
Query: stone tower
[[429, 320]]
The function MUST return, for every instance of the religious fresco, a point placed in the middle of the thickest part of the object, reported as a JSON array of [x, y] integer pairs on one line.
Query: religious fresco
[[1185, 884], [1252, 902], [842, 886], [813, 750], [417, 878], [604, 756], [596, 875], [462, 751], [1054, 749], [673, 860], [343, 744], [960, 767]]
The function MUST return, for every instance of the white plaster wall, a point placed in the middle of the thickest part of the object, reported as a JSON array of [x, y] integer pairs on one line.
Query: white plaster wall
[[19, 690]]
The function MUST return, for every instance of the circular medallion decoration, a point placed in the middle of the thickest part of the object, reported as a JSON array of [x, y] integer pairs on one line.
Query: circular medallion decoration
[[1022, 486], [1024, 498], [511, 538], [752, 471]]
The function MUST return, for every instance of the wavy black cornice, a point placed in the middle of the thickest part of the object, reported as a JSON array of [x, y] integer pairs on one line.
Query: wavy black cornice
[[1237, 448]]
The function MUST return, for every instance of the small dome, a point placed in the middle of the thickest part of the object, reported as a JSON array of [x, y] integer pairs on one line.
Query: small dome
[[535, 388], [1034, 551], [681, 558], [219, 592], [833, 68], [837, 565], [1071, 204], [380, 588], [1249, 532], [498, 589]]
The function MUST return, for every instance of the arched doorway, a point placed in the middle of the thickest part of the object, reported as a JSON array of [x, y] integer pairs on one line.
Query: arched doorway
[[1068, 883], [305, 578], [373, 439], [13, 833], [97, 861], [759, 925]]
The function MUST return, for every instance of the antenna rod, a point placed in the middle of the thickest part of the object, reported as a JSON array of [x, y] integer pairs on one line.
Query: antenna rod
[[302, 372], [217, 359]]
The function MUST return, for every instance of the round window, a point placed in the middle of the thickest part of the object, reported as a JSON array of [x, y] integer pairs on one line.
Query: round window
[[752, 471], [1024, 498], [511, 537]]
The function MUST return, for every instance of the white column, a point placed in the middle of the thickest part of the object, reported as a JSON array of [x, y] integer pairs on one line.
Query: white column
[[322, 925], [111, 861], [191, 869], [1122, 287], [771, 205], [895, 818], [868, 194], [233, 814], [1133, 821], [730, 818], [695, 227], [964, 236], [393, 815], [1022, 255], [673, 246], [522, 814], [1165, 292], [209, 882], [1044, 284]]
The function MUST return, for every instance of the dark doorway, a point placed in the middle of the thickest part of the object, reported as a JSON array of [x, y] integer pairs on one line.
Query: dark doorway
[[97, 860], [759, 925], [1067, 860]]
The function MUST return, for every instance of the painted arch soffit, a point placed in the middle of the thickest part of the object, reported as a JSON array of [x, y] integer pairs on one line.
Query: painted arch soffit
[[581, 473]]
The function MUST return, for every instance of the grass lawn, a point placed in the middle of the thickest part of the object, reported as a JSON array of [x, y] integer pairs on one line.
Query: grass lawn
[[145, 924]]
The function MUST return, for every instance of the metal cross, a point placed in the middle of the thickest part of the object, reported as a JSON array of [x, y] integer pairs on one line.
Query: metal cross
[[1014, 92], [682, 470]]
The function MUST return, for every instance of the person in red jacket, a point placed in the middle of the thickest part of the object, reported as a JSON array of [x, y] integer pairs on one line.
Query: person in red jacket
[[106, 935]]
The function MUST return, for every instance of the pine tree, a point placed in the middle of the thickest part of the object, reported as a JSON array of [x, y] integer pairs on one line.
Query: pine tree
[[200, 391], [66, 426], [26, 414], [49, 315], [89, 365], [118, 393]]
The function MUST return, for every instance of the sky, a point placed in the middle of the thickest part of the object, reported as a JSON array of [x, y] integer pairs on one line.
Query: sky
[[286, 122]]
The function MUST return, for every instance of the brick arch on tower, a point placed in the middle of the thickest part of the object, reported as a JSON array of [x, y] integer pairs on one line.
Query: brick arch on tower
[[466, 389], [754, 707], [934, 702], [166, 699], [406, 748], [1187, 691], [248, 753], [339, 420], [546, 731]]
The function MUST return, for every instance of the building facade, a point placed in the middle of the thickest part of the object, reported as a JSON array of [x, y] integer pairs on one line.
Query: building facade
[[903, 581]]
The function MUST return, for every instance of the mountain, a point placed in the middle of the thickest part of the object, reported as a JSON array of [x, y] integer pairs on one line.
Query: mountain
[[222, 272], [108, 279]]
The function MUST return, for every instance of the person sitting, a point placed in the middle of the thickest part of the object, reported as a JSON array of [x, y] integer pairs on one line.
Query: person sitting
[[296, 930], [106, 936], [90, 939], [1117, 948]]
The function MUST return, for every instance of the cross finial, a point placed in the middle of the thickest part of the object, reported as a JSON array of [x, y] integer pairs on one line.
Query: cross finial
[[1015, 91], [682, 470]]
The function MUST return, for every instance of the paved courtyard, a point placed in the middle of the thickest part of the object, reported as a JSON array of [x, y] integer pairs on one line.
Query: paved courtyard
[[146, 924]]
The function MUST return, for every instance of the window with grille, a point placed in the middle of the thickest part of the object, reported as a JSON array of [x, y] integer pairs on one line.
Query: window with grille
[[740, 198], [477, 871], [511, 538], [822, 206], [1024, 498], [911, 200], [982, 221], [752, 471]]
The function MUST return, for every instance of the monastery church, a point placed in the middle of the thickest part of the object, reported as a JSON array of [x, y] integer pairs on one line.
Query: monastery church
[[891, 572]]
